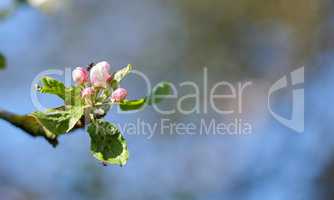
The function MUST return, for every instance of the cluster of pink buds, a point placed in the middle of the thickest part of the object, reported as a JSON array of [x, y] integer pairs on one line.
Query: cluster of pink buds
[[98, 77]]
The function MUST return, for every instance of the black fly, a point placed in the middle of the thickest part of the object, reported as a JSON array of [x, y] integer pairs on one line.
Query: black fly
[[90, 66]]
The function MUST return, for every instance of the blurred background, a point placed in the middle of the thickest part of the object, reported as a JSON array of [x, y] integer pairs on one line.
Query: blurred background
[[238, 41]]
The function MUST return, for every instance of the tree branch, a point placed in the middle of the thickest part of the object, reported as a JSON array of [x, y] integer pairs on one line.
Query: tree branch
[[31, 126]]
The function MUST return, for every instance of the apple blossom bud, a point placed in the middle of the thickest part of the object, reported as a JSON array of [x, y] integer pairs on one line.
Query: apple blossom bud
[[80, 75], [99, 74], [87, 92], [119, 95]]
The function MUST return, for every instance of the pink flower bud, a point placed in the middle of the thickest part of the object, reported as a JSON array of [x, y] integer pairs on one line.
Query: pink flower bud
[[80, 75], [99, 74], [119, 95], [87, 92]]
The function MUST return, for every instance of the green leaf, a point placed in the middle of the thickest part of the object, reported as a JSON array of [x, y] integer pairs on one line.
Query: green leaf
[[128, 105], [52, 86], [160, 90], [107, 143], [73, 96], [53, 122], [76, 113], [119, 75], [59, 121], [2, 61], [114, 84]]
